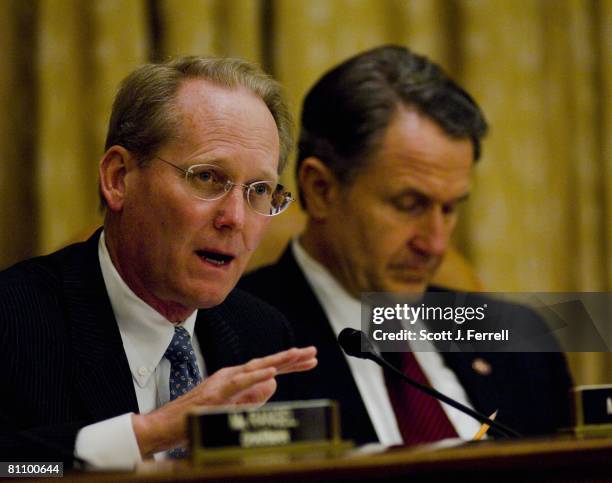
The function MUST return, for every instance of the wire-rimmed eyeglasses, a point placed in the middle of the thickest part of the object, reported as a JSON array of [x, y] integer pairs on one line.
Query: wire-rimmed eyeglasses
[[209, 182]]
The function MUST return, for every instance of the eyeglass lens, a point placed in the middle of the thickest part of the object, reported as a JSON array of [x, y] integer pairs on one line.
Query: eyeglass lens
[[211, 182]]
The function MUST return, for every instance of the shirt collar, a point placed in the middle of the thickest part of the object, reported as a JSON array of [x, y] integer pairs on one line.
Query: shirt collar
[[146, 334], [342, 309]]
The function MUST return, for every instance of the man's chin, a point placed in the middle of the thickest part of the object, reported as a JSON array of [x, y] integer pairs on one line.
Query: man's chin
[[210, 301], [206, 293], [204, 297], [415, 286]]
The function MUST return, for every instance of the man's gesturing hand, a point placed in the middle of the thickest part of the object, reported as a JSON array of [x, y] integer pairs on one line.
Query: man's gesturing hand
[[253, 383]]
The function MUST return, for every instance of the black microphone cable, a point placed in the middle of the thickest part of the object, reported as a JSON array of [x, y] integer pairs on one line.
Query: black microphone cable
[[353, 342]]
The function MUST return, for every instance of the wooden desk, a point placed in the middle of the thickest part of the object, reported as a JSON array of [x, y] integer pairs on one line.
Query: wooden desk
[[559, 459]]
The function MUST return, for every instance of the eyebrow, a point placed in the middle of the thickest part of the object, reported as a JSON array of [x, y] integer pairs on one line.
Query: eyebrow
[[263, 175]]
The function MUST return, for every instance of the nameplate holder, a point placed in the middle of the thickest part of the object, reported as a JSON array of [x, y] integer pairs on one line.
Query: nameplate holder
[[248, 433], [593, 410]]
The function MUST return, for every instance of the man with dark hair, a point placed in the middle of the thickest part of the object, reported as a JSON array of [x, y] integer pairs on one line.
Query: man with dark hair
[[98, 354], [386, 151]]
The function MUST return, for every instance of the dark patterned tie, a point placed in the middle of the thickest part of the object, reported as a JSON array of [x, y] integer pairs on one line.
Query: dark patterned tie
[[184, 373], [420, 417]]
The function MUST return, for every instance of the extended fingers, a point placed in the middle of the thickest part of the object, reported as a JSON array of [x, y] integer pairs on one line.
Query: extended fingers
[[305, 360], [299, 366], [282, 360], [229, 383]]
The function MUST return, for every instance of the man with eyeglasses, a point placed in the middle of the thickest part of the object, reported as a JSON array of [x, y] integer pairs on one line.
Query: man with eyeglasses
[[108, 344], [386, 151]]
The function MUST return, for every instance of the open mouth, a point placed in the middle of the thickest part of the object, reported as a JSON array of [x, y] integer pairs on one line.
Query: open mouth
[[215, 258]]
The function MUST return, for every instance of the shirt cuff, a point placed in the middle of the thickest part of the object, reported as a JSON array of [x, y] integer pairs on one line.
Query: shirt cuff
[[109, 444]]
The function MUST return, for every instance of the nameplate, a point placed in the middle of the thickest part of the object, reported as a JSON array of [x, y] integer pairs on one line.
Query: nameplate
[[289, 427], [593, 409]]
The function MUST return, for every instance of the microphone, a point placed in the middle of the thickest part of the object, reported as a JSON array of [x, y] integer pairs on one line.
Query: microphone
[[356, 344]]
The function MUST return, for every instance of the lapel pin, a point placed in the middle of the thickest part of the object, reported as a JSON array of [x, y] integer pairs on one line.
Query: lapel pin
[[481, 366]]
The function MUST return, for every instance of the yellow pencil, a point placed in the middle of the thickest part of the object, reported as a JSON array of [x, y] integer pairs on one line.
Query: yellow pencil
[[484, 428]]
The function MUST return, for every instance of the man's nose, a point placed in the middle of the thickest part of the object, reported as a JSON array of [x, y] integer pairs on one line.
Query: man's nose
[[434, 232], [231, 209]]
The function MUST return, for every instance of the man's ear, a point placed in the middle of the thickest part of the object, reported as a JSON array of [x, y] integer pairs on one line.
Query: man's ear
[[113, 168], [319, 187]]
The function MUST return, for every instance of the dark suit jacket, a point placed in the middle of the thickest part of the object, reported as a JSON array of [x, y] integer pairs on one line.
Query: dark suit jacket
[[62, 363], [531, 390]]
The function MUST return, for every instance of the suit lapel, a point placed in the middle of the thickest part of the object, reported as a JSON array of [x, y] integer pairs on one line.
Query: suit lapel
[[218, 341], [475, 373], [102, 375], [474, 370], [333, 375]]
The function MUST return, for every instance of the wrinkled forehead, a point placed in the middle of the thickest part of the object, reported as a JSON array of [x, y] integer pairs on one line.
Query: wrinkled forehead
[[416, 152]]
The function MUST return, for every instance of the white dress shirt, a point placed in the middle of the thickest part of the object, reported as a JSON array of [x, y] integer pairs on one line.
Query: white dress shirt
[[344, 311], [146, 335]]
